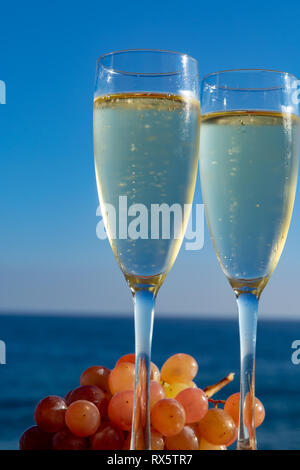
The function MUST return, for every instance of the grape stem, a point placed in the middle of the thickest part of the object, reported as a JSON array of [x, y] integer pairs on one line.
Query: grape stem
[[216, 402], [213, 389]]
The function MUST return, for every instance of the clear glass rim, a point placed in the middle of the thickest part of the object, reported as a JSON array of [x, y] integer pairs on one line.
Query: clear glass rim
[[220, 72], [143, 74]]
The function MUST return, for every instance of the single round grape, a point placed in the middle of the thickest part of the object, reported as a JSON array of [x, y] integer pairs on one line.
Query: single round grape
[[65, 440], [232, 406], [90, 393], [179, 368], [217, 427], [185, 440], [194, 402], [49, 414], [154, 370], [171, 390], [108, 437], [157, 440], [82, 418], [168, 417], [205, 445], [35, 439], [96, 375], [156, 393], [120, 409], [122, 377]]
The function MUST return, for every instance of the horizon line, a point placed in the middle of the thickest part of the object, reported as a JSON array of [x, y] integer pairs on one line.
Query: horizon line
[[128, 315]]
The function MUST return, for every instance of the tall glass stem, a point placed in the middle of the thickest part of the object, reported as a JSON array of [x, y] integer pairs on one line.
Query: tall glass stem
[[144, 303], [248, 307]]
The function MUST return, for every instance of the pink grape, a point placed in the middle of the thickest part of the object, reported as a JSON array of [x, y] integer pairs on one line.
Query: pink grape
[[83, 418], [194, 402], [168, 416], [121, 377], [120, 409], [232, 406]]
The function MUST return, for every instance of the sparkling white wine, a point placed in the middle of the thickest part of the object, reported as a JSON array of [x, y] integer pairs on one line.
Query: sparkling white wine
[[146, 148], [248, 169]]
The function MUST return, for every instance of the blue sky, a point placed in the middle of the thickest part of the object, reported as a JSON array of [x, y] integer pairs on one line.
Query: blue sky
[[51, 259]]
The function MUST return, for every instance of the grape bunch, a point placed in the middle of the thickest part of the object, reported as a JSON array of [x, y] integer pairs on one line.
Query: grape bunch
[[97, 415]]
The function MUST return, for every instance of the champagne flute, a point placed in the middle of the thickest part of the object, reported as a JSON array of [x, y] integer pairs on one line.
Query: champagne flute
[[248, 168], [146, 142]]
